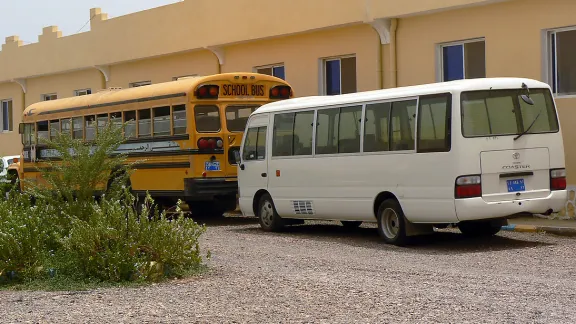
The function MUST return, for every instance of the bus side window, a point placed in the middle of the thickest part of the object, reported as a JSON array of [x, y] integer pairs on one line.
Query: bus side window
[[116, 120], [249, 153], [102, 122], [433, 123], [144, 123], [327, 131], [376, 131], [162, 121], [66, 126], [77, 128], [179, 117], [283, 134], [130, 121], [90, 122], [402, 120], [54, 128], [349, 129], [43, 132]]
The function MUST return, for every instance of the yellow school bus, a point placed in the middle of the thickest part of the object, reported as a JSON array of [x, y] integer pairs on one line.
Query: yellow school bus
[[188, 132]]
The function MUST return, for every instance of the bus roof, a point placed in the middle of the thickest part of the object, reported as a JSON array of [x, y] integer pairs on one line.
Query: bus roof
[[178, 88], [401, 92]]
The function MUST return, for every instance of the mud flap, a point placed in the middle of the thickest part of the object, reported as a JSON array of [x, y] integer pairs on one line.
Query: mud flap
[[413, 229]]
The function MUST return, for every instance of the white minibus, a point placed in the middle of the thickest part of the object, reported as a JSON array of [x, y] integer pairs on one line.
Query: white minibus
[[470, 153]]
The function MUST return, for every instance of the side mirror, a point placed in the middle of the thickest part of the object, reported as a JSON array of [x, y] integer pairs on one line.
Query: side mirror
[[21, 128], [237, 157]]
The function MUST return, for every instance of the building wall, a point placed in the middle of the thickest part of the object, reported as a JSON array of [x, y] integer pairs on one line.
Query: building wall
[[63, 84], [302, 56], [514, 47], [10, 141]]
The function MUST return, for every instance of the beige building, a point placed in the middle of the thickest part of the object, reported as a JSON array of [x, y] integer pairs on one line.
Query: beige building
[[320, 47]]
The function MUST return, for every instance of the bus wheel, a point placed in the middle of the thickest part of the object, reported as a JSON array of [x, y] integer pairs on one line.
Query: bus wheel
[[392, 223], [269, 219], [206, 208], [478, 229], [351, 224]]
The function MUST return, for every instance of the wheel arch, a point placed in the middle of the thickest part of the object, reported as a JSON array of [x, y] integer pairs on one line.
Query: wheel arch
[[380, 198], [256, 200]]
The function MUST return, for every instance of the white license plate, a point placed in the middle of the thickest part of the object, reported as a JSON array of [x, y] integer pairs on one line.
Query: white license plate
[[212, 166]]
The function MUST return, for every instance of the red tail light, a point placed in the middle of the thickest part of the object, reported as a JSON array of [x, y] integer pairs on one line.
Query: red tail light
[[280, 92], [468, 187], [210, 143], [207, 92], [558, 179]]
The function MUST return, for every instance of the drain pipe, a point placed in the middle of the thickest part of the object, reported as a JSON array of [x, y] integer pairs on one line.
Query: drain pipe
[[393, 61]]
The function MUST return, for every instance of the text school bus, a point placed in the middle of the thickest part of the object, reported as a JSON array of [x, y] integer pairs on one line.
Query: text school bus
[[187, 131]]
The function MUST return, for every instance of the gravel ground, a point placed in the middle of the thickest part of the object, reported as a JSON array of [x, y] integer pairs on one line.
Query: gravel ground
[[320, 273]]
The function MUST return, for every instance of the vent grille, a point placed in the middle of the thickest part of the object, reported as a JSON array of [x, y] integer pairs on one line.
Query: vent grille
[[302, 207]]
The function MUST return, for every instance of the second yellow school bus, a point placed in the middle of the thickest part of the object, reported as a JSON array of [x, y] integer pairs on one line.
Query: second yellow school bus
[[188, 132]]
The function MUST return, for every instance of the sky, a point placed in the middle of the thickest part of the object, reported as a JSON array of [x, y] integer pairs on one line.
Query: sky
[[26, 18]]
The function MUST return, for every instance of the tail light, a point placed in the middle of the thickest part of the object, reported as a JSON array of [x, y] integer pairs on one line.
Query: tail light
[[280, 92], [210, 143], [558, 179], [468, 187], [207, 92]]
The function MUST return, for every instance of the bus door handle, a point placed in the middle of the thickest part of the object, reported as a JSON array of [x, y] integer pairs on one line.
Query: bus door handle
[[263, 175], [242, 167]]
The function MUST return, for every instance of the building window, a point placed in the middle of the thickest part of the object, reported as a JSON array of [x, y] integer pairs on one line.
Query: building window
[[463, 60], [339, 75], [562, 65], [140, 84], [49, 96], [277, 70], [7, 115], [82, 92]]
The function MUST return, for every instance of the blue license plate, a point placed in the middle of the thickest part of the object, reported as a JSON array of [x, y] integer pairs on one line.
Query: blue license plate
[[212, 166], [515, 185]]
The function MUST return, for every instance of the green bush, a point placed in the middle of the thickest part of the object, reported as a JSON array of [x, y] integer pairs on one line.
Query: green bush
[[65, 231]]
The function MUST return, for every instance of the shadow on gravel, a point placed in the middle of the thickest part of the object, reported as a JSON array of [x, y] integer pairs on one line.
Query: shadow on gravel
[[441, 242]]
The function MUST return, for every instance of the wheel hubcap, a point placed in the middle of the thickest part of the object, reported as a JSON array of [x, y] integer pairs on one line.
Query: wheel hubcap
[[267, 213], [390, 223]]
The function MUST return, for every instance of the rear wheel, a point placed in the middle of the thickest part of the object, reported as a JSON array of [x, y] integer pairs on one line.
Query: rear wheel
[[351, 224], [478, 229], [392, 223], [269, 219]]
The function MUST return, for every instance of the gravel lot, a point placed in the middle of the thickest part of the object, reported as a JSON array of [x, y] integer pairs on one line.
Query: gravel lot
[[320, 273]]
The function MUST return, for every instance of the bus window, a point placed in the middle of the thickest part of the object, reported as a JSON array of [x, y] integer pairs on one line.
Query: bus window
[[66, 126], [237, 116], [432, 123], [43, 132], [207, 119], [303, 126], [90, 122], [116, 119], [376, 131], [162, 121], [282, 138], [349, 129], [29, 136], [402, 120], [54, 128], [179, 116], [77, 128], [144, 123], [102, 121], [130, 120], [327, 131]]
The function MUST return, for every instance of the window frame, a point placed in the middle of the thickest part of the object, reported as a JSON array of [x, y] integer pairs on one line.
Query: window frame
[[440, 56], [322, 73], [550, 60], [77, 93], [10, 103], [271, 66], [266, 148], [46, 95]]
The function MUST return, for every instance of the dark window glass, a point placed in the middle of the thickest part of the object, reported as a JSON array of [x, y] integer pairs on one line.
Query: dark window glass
[[207, 119]]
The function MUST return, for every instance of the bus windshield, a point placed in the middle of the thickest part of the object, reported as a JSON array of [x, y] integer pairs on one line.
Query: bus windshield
[[503, 112], [237, 116]]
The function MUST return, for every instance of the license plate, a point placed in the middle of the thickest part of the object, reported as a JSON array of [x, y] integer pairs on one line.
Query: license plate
[[515, 185], [212, 166]]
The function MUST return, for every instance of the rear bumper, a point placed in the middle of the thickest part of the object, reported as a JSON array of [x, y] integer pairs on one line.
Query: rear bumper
[[477, 208], [208, 188]]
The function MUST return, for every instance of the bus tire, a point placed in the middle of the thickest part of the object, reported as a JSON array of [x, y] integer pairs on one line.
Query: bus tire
[[351, 224], [392, 223], [478, 229], [269, 219]]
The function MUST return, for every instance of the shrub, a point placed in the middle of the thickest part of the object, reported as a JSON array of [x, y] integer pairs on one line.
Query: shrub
[[68, 232]]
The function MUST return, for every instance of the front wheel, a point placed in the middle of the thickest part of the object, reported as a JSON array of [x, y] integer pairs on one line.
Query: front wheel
[[269, 219], [478, 229], [392, 223]]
